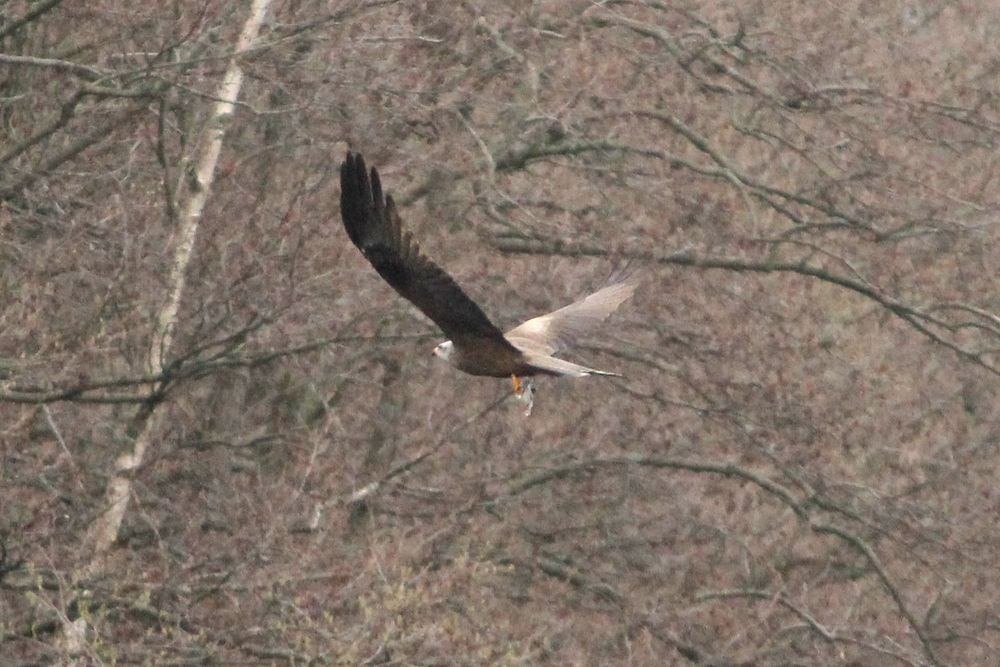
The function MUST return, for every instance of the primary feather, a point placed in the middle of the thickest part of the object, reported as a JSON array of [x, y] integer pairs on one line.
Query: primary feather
[[374, 226]]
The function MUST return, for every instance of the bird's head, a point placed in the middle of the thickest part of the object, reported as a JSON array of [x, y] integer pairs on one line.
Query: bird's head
[[443, 351]]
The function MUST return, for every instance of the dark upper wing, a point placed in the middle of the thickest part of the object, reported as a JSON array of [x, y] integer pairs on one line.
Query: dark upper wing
[[374, 226]]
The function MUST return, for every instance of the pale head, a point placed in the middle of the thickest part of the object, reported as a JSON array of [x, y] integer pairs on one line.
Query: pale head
[[444, 350]]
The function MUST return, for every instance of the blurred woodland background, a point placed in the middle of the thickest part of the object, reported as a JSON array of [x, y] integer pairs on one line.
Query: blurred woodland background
[[225, 440]]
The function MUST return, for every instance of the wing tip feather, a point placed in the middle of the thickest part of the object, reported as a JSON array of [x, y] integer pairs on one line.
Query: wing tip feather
[[376, 228]]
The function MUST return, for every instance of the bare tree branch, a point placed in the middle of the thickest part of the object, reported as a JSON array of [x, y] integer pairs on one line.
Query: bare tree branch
[[86, 71], [36, 11]]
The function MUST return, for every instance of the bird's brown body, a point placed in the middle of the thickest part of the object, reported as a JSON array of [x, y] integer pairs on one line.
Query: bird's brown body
[[479, 360]]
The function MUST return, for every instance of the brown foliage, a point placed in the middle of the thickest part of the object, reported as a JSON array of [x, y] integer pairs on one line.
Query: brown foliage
[[798, 467]]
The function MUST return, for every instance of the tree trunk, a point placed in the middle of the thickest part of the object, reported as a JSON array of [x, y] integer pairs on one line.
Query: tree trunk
[[104, 531]]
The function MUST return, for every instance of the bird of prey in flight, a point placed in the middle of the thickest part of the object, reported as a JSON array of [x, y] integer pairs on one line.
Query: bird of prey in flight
[[475, 346]]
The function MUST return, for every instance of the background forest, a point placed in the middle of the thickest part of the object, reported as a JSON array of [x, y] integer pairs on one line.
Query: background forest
[[223, 439]]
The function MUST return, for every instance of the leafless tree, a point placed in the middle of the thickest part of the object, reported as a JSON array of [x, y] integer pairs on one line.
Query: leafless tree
[[797, 467]]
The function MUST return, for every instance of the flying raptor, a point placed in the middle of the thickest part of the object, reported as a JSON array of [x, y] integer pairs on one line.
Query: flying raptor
[[476, 345]]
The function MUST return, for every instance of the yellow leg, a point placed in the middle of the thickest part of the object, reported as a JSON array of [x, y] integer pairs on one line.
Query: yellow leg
[[518, 389]]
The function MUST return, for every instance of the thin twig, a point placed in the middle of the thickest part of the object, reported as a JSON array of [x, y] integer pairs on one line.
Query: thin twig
[[55, 432]]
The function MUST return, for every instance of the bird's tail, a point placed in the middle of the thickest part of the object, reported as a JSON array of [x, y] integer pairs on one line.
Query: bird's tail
[[562, 367]]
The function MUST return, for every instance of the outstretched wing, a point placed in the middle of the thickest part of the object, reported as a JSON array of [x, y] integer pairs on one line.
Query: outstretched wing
[[373, 224], [548, 334]]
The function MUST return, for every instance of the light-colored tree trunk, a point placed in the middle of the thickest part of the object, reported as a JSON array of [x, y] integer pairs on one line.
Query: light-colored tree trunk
[[105, 528], [104, 531]]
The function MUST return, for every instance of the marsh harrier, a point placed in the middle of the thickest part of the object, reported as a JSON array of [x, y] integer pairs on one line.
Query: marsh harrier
[[476, 345]]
